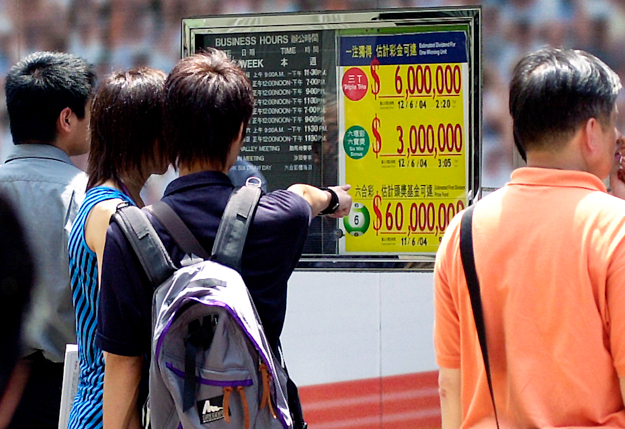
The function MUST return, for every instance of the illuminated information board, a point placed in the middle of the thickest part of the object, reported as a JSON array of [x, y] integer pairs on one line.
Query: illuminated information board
[[289, 86], [403, 128], [387, 101]]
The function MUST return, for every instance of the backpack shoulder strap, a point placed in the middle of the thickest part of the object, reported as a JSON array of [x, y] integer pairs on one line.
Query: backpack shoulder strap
[[181, 234], [145, 242], [470, 272], [234, 225]]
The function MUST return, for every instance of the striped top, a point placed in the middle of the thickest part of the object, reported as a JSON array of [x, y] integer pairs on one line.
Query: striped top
[[86, 412]]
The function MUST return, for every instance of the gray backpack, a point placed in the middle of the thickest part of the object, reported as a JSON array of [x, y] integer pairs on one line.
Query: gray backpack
[[211, 364]]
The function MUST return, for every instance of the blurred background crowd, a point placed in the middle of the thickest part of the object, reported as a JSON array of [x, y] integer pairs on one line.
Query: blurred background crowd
[[116, 34]]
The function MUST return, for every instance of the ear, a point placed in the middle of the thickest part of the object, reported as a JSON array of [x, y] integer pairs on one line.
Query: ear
[[235, 149], [237, 143], [64, 121], [239, 137], [592, 141]]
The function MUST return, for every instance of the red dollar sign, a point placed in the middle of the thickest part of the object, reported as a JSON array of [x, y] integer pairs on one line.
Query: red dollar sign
[[377, 223], [375, 86], [377, 145]]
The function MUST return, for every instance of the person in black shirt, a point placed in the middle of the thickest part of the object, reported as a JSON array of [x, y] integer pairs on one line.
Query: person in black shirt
[[209, 102]]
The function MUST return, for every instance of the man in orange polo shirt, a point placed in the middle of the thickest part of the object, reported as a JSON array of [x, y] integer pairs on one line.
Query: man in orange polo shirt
[[550, 257]]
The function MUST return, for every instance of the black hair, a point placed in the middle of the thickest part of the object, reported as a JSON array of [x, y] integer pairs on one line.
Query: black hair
[[125, 125], [555, 91], [39, 87], [208, 98]]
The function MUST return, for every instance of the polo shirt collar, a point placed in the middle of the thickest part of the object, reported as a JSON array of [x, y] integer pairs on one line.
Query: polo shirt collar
[[556, 178], [41, 151], [194, 180]]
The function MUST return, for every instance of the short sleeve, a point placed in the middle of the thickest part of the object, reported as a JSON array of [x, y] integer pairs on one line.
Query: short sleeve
[[446, 322], [615, 296], [272, 250], [124, 316]]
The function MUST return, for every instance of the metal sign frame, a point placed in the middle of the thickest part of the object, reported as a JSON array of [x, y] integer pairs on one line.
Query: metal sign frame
[[199, 32]]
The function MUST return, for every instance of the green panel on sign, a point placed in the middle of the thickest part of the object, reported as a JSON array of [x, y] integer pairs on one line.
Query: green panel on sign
[[356, 142]]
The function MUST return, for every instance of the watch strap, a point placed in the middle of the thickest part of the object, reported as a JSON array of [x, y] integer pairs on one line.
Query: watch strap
[[334, 203]]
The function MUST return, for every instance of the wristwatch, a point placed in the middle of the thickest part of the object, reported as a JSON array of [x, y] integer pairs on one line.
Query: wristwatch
[[334, 203]]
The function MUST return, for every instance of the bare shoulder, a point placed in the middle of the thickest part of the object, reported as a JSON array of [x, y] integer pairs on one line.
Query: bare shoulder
[[103, 211], [98, 222]]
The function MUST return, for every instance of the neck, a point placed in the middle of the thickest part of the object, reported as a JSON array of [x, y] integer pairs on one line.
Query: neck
[[67, 147], [133, 188], [134, 185], [36, 142], [55, 143], [565, 157], [556, 162], [199, 166]]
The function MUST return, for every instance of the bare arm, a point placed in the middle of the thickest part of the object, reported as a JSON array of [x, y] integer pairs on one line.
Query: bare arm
[[122, 375], [449, 391], [320, 199], [96, 226], [10, 399]]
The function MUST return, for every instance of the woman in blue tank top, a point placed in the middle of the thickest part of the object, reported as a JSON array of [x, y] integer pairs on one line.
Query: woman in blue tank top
[[126, 148]]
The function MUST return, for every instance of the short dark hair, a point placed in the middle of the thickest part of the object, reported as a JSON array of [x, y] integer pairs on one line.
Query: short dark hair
[[126, 129], [555, 91], [39, 87], [208, 97]]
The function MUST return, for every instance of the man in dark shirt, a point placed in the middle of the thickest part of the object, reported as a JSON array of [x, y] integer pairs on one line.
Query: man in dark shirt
[[208, 106]]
